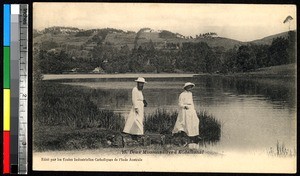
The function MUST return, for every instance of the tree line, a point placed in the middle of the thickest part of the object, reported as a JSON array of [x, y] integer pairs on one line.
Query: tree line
[[190, 57]]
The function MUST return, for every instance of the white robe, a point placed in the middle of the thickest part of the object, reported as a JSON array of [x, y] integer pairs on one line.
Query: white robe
[[187, 119], [134, 123]]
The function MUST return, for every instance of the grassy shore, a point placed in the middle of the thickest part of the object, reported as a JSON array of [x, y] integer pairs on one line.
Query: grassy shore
[[163, 122], [66, 118], [280, 71], [125, 75]]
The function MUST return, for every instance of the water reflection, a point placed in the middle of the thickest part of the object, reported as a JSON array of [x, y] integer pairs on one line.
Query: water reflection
[[255, 113]]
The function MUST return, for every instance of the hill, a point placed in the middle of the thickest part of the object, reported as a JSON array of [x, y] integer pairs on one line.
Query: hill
[[120, 39], [268, 40], [220, 42], [68, 49], [70, 37], [74, 38]]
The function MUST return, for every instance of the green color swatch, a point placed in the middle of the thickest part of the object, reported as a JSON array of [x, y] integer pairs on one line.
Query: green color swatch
[[6, 67]]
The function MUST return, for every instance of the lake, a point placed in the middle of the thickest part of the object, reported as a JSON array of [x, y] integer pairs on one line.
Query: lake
[[254, 113]]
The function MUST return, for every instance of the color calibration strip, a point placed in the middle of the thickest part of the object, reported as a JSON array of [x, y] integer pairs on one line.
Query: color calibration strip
[[14, 85], [6, 88], [15, 88], [23, 91]]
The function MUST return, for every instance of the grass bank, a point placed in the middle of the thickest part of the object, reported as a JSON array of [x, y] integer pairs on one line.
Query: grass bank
[[279, 71], [65, 105], [118, 76], [65, 118], [163, 122]]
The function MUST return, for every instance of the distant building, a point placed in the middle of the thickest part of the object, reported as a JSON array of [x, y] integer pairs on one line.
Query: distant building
[[63, 30], [180, 36], [74, 69], [98, 70]]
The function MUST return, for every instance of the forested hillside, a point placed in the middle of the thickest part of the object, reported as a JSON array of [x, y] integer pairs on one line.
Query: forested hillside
[[63, 49]]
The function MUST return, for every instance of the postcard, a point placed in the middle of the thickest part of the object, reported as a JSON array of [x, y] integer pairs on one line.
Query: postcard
[[169, 87]]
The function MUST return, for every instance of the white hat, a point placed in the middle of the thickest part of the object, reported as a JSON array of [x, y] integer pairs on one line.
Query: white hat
[[188, 84], [140, 79]]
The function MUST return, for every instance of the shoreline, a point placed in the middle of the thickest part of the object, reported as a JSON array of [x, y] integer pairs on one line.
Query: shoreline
[[281, 71], [161, 75], [124, 75]]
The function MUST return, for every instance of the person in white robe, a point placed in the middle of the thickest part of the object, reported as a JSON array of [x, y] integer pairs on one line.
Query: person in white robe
[[187, 119], [134, 123]]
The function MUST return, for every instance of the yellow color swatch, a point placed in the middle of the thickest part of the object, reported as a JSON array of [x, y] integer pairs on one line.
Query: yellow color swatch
[[6, 110]]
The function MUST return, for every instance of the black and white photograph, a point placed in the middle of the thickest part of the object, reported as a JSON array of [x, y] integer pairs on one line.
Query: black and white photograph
[[164, 87]]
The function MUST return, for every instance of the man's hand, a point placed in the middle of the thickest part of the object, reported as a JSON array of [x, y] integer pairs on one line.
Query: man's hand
[[136, 110]]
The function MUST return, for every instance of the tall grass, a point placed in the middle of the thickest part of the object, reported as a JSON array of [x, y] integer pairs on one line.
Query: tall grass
[[281, 150], [65, 105], [209, 127], [163, 122]]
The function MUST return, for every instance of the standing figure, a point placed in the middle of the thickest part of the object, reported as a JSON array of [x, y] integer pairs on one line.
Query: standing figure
[[187, 120], [134, 123]]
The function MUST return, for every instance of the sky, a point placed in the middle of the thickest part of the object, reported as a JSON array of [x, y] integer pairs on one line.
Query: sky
[[236, 21]]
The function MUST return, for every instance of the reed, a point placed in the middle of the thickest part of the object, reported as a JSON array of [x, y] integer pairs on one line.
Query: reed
[[281, 150], [64, 105], [163, 122]]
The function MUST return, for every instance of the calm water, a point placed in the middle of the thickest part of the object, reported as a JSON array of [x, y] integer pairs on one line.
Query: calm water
[[255, 113]]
